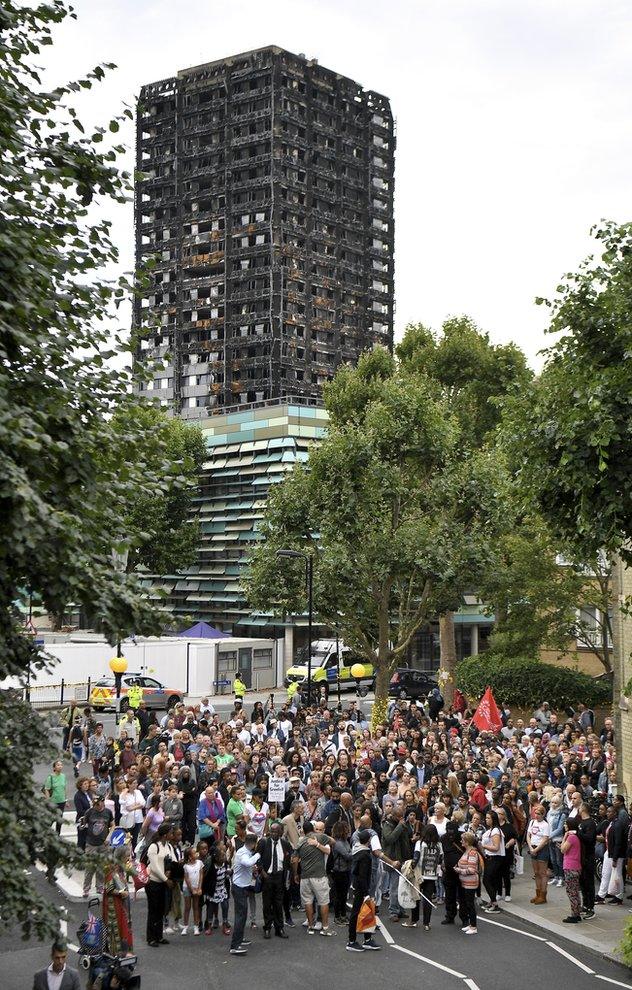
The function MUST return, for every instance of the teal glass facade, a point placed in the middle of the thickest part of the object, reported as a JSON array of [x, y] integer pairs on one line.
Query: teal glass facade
[[248, 451]]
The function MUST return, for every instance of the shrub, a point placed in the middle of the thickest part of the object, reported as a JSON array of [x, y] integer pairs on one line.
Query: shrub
[[625, 946], [525, 682]]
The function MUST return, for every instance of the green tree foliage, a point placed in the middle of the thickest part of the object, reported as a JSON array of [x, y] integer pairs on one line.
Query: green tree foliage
[[64, 475], [472, 376], [158, 523], [473, 373], [400, 517], [535, 600], [525, 682], [570, 434]]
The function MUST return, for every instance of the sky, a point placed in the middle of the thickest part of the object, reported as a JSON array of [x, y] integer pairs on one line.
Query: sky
[[513, 126]]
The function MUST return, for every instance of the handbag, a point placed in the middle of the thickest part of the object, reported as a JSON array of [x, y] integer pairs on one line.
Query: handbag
[[205, 830], [518, 864], [140, 876], [127, 820]]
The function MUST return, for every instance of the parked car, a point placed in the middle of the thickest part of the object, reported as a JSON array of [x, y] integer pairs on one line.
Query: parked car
[[155, 694], [414, 684]]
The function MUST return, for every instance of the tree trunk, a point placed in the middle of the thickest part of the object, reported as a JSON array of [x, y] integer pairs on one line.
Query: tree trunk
[[383, 677], [380, 704], [447, 646]]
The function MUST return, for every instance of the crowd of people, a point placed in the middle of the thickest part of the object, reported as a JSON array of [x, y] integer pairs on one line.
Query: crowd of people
[[298, 814]]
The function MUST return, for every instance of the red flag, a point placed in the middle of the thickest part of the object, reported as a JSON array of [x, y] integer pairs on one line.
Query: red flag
[[487, 717]]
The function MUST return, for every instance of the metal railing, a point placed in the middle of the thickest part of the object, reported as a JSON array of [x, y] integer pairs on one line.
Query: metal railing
[[57, 695]]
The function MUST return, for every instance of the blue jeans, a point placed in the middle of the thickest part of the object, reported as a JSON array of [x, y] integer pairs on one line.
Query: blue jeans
[[394, 907], [556, 857], [240, 897]]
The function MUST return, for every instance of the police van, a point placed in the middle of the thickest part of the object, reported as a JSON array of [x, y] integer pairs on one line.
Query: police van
[[331, 666]]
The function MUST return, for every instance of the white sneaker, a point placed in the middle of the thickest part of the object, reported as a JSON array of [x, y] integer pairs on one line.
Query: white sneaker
[[551, 881], [467, 929], [560, 883], [196, 929], [305, 923], [169, 931], [507, 897], [471, 931], [318, 926], [185, 931]]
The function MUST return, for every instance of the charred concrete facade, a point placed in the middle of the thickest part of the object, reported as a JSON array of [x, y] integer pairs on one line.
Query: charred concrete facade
[[268, 202]]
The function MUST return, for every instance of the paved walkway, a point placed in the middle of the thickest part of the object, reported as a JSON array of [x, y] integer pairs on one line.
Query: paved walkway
[[602, 934]]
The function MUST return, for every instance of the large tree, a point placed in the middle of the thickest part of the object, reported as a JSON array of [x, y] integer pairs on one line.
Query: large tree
[[570, 434], [542, 600], [392, 515], [473, 376], [64, 476], [160, 527]]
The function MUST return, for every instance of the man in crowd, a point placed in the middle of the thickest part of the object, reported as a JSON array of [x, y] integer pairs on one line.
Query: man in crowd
[[58, 975]]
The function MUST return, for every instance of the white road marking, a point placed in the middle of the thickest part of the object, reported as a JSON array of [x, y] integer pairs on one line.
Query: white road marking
[[431, 962], [471, 984], [618, 983], [563, 952], [509, 928], [385, 932]]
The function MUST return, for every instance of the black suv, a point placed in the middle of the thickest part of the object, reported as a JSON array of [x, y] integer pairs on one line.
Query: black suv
[[407, 683]]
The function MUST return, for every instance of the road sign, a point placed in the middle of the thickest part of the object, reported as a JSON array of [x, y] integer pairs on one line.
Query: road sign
[[222, 683]]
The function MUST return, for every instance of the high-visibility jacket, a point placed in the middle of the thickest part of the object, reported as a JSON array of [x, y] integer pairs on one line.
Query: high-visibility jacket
[[135, 695], [239, 687]]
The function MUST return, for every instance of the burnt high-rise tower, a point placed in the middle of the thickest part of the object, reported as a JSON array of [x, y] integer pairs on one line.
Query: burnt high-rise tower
[[268, 202]]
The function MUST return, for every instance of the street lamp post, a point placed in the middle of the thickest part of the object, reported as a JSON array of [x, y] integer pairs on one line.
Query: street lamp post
[[118, 666], [309, 581]]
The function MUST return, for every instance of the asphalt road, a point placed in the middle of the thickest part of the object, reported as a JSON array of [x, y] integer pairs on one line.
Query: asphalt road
[[496, 958]]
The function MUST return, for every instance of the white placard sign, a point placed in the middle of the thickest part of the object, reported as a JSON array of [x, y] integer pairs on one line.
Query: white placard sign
[[276, 789]]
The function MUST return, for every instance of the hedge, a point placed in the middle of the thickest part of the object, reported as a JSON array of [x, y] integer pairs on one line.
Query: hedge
[[526, 682]]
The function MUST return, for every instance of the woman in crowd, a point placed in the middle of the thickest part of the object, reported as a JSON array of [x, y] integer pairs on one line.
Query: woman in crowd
[[340, 871], [572, 853], [428, 856], [556, 819], [509, 835], [469, 869], [116, 903], [55, 790], [153, 819], [81, 802], [492, 846], [538, 834], [132, 805]]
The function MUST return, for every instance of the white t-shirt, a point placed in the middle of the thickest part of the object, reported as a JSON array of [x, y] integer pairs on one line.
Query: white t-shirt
[[486, 841], [257, 821], [375, 844], [440, 826], [192, 873], [129, 799], [538, 831]]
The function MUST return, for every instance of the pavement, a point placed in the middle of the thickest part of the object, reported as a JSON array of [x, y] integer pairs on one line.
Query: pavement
[[602, 934]]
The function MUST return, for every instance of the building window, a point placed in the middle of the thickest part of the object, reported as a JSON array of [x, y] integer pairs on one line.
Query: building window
[[261, 659]]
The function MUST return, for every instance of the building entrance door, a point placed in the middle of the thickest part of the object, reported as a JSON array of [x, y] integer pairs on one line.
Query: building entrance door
[[244, 665]]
